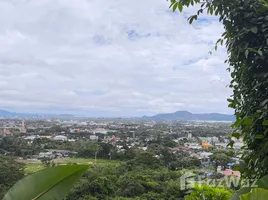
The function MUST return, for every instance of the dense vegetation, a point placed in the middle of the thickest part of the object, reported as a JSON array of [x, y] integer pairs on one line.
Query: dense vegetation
[[10, 172], [138, 179], [246, 39]]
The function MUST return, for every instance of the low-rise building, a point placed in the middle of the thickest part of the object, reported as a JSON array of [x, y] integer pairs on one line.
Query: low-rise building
[[93, 137], [60, 138]]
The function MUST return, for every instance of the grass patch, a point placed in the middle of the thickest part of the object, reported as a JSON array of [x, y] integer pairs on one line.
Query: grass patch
[[34, 167], [86, 161]]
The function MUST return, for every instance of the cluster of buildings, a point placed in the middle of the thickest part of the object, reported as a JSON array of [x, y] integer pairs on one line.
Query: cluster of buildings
[[132, 133]]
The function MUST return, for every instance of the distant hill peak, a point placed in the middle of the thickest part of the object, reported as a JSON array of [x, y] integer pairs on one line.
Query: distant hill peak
[[188, 116]]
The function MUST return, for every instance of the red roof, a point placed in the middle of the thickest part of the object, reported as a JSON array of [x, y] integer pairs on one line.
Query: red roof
[[229, 172]]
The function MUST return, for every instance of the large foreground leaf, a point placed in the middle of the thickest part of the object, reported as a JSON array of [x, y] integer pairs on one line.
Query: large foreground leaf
[[237, 194], [255, 194], [48, 184], [261, 183]]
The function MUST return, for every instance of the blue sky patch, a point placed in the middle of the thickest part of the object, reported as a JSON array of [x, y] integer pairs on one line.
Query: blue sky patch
[[101, 40], [132, 35]]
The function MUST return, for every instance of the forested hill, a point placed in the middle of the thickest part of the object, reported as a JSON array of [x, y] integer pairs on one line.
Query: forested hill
[[185, 115]]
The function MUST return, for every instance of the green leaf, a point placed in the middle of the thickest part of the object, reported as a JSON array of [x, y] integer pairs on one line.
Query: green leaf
[[175, 7], [172, 3], [180, 7], [243, 190], [260, 53], [263, 182], [211, 10], [265, 132], [254, 29], [236, 135], [247, 121], [192, 2], [265, 123], [259, 136], [253, 50], [199, 11], [191, 20], [194, 17], [216, 12], [218, 41], [255, 194], [230, 144], [49, 184], [230, 100], [264, 102]]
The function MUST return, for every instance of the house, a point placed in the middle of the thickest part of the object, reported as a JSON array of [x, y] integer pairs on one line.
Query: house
[[206, 145], [93, 137], [143, 148], [76, 130], [100, 130], [212, 139], [181, 138], [181, 148], [48, 155], [5, 132], [112, 139], [230, 172], [31, 137], [45, 136], [205, 155], [193, 145]]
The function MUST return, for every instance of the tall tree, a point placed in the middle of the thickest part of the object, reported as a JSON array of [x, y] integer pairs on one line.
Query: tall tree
[[246, 40]]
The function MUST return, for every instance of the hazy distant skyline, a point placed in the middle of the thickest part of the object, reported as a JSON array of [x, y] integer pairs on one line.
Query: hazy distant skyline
[[109, 58]]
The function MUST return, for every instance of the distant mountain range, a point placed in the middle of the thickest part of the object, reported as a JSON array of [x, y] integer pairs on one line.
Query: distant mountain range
[[188, 116], [179, 115], [4, 113]]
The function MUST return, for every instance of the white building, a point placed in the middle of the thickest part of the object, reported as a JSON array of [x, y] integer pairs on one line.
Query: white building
[[93, 137], [31, 137], [60, 138], [100, 130], [193, 145], [205, 155], [189, 135], [143, 148]]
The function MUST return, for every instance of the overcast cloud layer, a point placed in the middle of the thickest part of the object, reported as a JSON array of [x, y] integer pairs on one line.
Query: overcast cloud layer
[[108, 58]]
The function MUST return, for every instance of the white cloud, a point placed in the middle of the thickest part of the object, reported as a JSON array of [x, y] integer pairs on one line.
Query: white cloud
[[102, 57]]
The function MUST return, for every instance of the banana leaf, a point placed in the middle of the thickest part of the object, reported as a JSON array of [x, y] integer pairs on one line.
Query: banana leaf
[[49, 184]]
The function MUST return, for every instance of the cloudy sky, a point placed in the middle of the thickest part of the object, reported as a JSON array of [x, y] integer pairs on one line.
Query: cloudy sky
[[108, 58]]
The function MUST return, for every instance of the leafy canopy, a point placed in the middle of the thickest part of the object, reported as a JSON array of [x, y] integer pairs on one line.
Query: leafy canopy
[[246, 40]]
